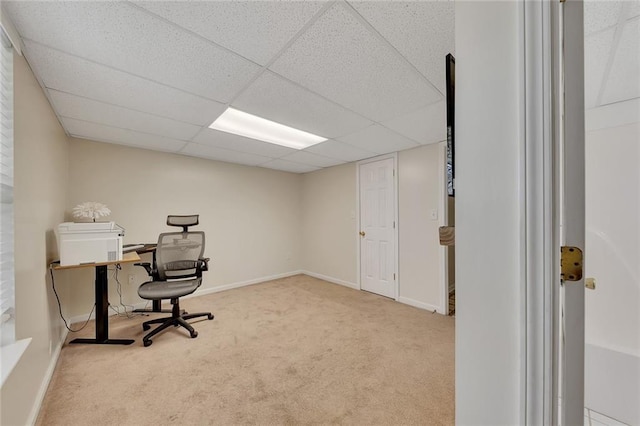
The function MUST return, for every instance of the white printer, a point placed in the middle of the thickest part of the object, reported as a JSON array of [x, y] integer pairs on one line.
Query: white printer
[[89, 242]]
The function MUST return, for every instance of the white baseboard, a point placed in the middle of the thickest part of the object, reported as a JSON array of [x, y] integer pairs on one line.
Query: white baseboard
[[331, 279], [35, 410], [421, 305], [202, 291]]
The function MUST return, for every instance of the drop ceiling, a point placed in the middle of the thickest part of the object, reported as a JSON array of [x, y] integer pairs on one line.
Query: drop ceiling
[[368, 76]]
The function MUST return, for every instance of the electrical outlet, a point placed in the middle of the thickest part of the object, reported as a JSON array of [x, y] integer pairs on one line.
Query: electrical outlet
[[132, 279]]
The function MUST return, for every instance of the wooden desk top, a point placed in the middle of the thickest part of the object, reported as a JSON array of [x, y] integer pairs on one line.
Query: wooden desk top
[[126, 258]]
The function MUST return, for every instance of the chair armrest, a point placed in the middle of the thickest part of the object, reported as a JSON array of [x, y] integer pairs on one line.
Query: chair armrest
[[204, 264], [147, 267]]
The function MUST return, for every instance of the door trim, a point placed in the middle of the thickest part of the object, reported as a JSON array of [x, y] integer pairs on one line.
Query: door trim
[[539, 180], [443, 208], [396, 250]]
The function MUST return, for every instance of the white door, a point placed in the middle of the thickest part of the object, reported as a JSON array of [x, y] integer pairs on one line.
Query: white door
[[377, 227], [572, 214]]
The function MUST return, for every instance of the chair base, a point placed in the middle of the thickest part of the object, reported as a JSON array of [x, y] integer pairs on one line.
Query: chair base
[[178, 318]]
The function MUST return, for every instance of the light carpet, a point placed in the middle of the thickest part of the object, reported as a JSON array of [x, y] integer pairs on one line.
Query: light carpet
[[292, 351]]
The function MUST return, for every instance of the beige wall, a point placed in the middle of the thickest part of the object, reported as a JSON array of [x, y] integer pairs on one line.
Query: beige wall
[[41, 168], [251, 215], [329, 234], [419, 192]]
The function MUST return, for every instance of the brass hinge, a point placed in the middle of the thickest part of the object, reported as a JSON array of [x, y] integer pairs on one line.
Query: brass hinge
[[570, 263]]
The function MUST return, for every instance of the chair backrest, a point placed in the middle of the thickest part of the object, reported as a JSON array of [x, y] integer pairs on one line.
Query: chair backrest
[[178, 254], [184, 221]]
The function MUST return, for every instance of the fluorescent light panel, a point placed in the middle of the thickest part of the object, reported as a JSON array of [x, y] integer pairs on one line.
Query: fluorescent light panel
[[254, 127]]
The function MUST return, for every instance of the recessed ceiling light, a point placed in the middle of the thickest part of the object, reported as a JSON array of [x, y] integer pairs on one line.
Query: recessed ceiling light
[[254, 127]]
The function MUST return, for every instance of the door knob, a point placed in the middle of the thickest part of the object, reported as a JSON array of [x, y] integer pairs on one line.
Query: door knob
[[362, 233]]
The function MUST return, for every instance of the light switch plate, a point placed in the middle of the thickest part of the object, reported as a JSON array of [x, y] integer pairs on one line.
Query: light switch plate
[[433, 213]]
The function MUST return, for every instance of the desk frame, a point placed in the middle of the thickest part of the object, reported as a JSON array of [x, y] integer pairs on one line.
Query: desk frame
[[102, 300]]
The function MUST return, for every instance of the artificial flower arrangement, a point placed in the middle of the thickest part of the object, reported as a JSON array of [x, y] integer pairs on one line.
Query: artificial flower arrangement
[[91, 210]]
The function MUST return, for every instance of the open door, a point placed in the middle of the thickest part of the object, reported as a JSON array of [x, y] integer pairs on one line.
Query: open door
[[571, 317]]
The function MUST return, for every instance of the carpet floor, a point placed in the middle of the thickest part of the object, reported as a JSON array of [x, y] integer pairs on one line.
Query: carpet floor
[[292, 351]]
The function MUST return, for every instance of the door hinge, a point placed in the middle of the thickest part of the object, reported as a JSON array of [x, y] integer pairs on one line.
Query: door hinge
[[394, 172], [394, 276], [570, 263], [394, 224]]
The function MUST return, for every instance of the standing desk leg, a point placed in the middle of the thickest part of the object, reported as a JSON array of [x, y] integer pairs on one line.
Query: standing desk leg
[[102, 312]]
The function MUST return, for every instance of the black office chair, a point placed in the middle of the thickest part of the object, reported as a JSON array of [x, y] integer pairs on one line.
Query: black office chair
[[177, 272]]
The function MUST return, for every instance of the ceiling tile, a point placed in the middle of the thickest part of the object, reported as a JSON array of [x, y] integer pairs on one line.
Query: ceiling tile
[[255, 30], [634, 9], [599, 15], [226, 140], [279, 100], [71, 106], [425, 126], [341, 59], [83, 78], [99, 132], [624, 78], [340, 150], [407, 25], [597, 48], [378, 139], [289, 166], [221, 154], [125, 37], [310, 159]]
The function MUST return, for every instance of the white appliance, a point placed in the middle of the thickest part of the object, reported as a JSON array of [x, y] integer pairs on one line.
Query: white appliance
[[90, 242]]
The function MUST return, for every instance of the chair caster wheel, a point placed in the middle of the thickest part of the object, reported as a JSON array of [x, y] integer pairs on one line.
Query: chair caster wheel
[[194, 334], [147, 343], [146, 327], [210, 316]]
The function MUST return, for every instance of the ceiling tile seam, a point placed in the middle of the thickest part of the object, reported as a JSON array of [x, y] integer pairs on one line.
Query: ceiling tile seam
[[293, 162], [123, 71], [233, 151], [44, 88], [393, 117], [284, 48], [306, 89], [189, 32], [271, 157], [113, 142], [124, 128], [377, 34], [388, 129], [632, 18], [626, 10], [124, 107]]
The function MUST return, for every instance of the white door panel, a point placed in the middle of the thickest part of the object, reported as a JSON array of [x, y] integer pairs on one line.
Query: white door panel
[[377, 227], [572, 214]]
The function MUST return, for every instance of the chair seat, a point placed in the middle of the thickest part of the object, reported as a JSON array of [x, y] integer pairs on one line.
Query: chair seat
[[157, 290]]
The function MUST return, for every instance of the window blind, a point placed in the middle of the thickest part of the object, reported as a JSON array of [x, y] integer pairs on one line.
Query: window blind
[[7, 271]]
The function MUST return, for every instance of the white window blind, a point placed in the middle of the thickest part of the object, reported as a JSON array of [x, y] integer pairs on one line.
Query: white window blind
[[7, 271]]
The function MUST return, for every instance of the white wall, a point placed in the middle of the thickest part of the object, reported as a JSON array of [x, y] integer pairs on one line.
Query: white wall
[[251, 215], [419, 190], [612, 333], [41, 170], [489, 304], [329, 234]]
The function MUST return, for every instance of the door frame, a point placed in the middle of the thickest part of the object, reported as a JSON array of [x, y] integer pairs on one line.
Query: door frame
[[443, 219], [394, 156], [554, 122]]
